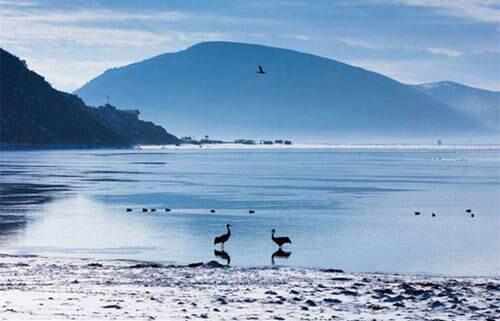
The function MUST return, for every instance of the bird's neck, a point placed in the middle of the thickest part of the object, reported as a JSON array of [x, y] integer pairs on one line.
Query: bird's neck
[[228, 230]]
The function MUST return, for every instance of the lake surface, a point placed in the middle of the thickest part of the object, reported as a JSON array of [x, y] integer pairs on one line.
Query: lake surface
[[345, 208]]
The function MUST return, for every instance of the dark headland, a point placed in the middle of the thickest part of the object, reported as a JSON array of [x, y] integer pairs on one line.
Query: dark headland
[[35, 115]]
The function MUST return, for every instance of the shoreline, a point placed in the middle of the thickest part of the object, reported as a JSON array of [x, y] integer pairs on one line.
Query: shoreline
[[234, 146], [174, 264], [321, 146], [41, 288]]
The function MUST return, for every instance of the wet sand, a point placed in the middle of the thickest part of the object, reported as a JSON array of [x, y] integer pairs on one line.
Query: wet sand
[[39, 288]]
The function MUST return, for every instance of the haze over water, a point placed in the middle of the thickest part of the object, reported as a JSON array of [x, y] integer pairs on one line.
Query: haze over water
[[347, 208]]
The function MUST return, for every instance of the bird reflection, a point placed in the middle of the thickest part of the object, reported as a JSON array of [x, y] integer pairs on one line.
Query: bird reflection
[[223, 255], [280, 254]]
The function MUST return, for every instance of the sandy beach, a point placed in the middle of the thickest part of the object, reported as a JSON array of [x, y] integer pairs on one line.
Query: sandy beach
[[40, 288]]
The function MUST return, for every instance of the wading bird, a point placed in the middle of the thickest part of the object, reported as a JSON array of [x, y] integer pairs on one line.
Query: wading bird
[[280, 240], [224, 237], [261, 70]]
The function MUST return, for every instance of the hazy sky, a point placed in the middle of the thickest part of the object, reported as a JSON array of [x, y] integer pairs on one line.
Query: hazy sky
[[413, 41]]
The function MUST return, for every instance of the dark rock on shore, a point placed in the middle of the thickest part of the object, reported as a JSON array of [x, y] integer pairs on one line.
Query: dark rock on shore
[[210, 264], [111, 306], [94, 265], [214, 264], [332, 270], [194, 265], [146, 265]]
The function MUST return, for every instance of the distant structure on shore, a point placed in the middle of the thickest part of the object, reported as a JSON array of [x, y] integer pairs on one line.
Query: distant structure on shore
[[205, 140], [277, 142], [244, 141]]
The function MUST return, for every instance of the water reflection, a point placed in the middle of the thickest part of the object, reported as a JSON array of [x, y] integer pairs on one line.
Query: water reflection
[[17, 194], [280, 254], [223, 255], [17, 200]]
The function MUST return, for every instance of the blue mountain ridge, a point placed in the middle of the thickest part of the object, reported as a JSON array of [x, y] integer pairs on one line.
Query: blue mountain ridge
[[480, 104], [212, 88]]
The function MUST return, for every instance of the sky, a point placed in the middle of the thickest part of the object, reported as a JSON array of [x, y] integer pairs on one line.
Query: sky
[[412, 41]]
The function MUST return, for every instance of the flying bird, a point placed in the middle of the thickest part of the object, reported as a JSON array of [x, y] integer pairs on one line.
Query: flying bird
[[224, 237], [261, 70], [280, 240]]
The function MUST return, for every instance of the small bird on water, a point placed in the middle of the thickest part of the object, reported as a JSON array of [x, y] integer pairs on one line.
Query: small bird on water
[[261, 70], [280, 240], [224, 237]]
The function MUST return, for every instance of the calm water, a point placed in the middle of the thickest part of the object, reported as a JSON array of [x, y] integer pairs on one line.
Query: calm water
[[349, 209]]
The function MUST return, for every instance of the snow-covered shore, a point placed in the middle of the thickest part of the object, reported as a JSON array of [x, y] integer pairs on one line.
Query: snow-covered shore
[[39, 288]]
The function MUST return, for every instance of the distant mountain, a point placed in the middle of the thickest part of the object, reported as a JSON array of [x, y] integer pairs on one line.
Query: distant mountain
[[32, 112], [213, 88], [482, 105]]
